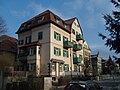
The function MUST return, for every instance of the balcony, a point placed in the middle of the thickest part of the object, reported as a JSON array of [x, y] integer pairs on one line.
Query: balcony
[[79, 37], [77, 60], [22, 57], [67, 44], [77, 47]]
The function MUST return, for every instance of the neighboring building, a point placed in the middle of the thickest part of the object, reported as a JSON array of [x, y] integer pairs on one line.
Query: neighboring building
[[8, 51], [51, 46], [104, 66], [96, 64], [87, 59]]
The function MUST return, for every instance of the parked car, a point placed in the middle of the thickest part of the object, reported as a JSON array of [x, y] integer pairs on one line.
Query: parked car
[[83, 85]]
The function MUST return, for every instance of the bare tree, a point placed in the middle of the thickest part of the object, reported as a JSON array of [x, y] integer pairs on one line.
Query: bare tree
[[3, 28]]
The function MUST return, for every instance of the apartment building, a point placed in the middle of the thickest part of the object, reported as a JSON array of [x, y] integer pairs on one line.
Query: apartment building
[[49, 45], [96, 64]]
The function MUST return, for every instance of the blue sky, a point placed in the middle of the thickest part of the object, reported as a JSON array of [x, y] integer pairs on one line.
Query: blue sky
[[89, 12]]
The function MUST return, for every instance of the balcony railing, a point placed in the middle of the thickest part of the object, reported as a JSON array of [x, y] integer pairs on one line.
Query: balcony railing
[[67, 44], [79, 37], [77, 47], [77, 60]]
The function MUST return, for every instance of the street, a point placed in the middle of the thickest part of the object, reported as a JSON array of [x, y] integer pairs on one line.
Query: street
[[106, 84], [110, 84]]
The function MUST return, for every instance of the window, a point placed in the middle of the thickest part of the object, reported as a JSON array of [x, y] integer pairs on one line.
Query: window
[[40, 19], [74, 23], [73, 42], [40, 35], [78, 25], [32, 67], [76, 68], [53, 67], [77, 33], [73, 31], [74, 55], [21, 42], [60, 67], [65, 38], [32, 50], [29, 25], [66, 67], [57, 51], [28, 39], [65, 26], [57, 21], [65, 53], [22, 28], [57, 36]]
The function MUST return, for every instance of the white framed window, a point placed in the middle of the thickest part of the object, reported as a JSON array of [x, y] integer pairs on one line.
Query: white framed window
[[60, 68], [57, 51], [65, 38], [65, 53], [40, 19], [57, 36], [57, 21], [32, 51], [53, 67], [65, 26], [66, 67], [28, 39]]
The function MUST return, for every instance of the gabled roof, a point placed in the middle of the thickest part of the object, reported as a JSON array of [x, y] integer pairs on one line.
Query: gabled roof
[[70, 21], [47, 17]]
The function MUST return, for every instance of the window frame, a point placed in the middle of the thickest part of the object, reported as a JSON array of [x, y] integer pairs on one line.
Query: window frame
[[57, 51], [57, 36], [40, 35]]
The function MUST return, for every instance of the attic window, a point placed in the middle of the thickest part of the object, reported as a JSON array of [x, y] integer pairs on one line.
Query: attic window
[[29, 25], [57, 21], [65, 26], [40, 19], [74, 23], [21, 28], [78, 25]]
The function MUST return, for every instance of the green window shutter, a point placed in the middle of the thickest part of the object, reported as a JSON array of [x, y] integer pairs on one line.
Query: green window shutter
[[59, 37], [68, 66], [54, 35], [63, 53], [54, 51], [63, 38], [67, 54], [75, 67], [76, 33], [59, 51]]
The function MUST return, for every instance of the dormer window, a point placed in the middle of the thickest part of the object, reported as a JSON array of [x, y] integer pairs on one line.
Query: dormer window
[[29, 25], [21, 28], [57, 21], [65, 26], [40, 19]]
